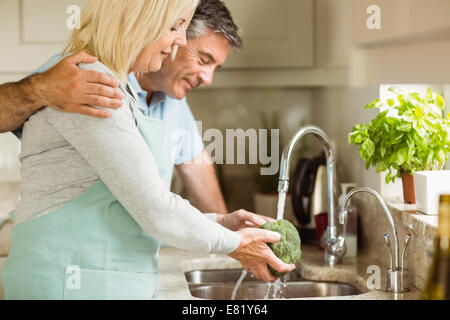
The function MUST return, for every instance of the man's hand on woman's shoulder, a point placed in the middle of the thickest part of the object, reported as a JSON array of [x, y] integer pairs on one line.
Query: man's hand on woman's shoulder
[[67, 88]]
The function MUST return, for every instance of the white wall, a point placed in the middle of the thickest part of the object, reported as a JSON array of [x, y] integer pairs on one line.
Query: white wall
[[9, 163], [337, 110], [242, 108]]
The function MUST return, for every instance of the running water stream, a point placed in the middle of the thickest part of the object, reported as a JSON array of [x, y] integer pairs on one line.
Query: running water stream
[[238, 284], [279, 288], [281, 203], [280, 284], [269, 286]]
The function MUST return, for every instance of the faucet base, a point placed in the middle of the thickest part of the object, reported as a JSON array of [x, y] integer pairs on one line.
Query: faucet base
[[336, 247], [397, 281], [331, 260]]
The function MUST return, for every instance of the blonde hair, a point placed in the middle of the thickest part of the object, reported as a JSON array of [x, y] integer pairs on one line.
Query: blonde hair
[[116, 31]]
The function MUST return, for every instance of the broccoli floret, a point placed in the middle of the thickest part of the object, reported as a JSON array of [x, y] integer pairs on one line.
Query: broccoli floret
[[288, 248]]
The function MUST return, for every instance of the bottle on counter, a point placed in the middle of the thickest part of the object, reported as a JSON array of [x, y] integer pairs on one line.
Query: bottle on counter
[[351, 232], [438, 283]]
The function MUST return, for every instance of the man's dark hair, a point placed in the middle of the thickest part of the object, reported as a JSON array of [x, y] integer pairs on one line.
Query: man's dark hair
[[213, 15]]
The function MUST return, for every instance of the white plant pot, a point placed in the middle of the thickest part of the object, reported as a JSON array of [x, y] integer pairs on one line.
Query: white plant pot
[[428, 186]]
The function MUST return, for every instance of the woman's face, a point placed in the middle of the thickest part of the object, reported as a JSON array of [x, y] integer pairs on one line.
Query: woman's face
[[151, 57]]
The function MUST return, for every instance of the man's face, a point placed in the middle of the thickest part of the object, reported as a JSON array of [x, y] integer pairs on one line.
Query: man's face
[[194, 65]]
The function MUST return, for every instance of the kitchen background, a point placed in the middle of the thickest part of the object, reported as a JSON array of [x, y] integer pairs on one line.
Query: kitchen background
[[303, 62]]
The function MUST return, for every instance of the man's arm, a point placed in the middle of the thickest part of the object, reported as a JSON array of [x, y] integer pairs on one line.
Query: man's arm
[[64, 87], [202, 185], [18, 101]]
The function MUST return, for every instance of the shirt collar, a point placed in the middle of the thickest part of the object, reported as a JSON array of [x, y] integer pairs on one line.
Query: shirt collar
[[157, 97], [135, 85]]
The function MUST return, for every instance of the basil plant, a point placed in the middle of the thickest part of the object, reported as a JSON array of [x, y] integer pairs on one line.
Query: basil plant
[[409, 134]]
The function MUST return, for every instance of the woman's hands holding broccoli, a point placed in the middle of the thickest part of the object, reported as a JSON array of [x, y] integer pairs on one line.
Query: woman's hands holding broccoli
[[253, 252], [255, 255], [242, 219]]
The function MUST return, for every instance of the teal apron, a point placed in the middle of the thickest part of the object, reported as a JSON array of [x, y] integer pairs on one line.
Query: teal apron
[[91, 248]]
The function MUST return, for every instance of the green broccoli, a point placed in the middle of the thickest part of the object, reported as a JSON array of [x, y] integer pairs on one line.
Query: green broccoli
[[288, 248]]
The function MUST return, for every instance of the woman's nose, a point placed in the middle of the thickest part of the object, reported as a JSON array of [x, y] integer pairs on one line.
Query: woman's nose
[[181, 40]]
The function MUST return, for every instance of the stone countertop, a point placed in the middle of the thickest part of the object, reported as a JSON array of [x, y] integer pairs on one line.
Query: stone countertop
[[172, 284], [410, 217]]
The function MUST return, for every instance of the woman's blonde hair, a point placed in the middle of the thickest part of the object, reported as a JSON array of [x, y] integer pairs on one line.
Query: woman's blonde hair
[[116, 31]]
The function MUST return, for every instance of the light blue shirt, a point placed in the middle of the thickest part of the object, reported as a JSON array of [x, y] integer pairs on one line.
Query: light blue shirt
[[181, 129]]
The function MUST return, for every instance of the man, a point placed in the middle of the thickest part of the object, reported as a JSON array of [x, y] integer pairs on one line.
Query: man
[[211, 36]]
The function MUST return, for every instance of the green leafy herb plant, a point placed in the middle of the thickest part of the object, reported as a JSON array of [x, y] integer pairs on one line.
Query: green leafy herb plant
[[409, 134]]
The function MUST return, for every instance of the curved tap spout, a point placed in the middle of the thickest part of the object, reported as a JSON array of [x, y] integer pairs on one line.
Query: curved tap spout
[[286, 159], [283, 185], [388, 215]]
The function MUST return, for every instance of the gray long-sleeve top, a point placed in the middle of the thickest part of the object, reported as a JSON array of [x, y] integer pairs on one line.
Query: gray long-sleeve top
[[65, 154]]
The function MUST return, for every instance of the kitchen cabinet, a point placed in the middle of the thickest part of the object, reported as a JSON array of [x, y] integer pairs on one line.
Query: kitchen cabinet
[[288, 43], [401, 20], [280, 48], [276, 34], [411, 46], [31, 32]]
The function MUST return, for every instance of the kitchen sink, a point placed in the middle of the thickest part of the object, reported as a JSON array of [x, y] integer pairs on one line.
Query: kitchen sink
[[250, 291], [219, 285], [227, 275]]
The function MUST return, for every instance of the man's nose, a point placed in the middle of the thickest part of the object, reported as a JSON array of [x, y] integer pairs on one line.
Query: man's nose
[[206, 77]]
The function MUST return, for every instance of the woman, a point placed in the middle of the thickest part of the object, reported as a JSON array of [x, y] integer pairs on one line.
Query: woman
[[95, 200]]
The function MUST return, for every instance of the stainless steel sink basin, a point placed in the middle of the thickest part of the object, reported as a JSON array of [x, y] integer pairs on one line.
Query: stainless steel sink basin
[[226, 275], [259, 290], [219, 285]]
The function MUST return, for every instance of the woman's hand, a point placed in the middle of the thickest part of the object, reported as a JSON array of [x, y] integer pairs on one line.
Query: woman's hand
[[242, 219], [254, 254]]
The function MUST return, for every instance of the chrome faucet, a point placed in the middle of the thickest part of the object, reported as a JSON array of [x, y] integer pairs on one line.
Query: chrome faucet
[[397, 277], [336, 248]]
